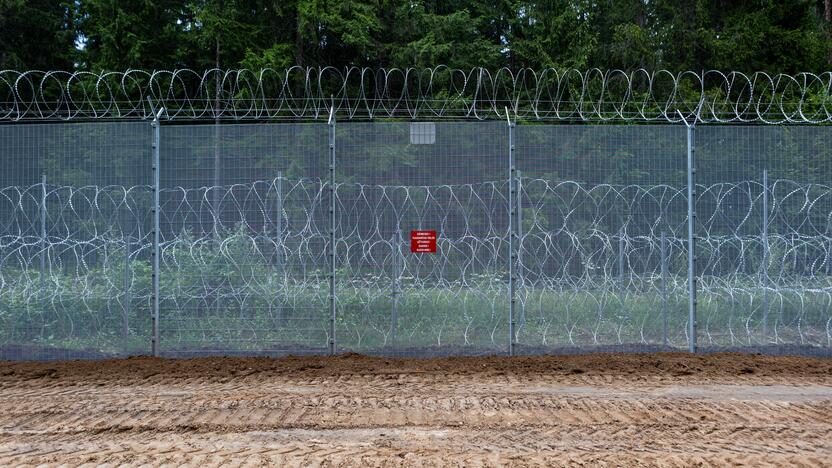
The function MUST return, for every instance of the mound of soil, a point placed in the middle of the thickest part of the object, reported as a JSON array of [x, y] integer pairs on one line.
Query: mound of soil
[[221, 368]]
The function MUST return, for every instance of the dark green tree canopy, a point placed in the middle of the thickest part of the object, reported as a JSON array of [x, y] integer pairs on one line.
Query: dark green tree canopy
[[767, 35], [37, 35]]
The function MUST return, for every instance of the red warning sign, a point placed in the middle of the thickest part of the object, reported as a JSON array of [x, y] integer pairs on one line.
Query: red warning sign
[[423, 241]]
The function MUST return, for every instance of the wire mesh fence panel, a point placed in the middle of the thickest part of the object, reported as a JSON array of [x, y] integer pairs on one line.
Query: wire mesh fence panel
[[595, 204], [600, 227], [395, 178], [74, 240], [244, 236], [764, 207]]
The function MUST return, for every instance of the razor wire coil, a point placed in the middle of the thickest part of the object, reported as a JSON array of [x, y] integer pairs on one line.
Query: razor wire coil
[[308, 93], [569, 252]]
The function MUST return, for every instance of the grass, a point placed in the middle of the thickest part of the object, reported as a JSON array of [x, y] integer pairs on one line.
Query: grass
[[294, 317]]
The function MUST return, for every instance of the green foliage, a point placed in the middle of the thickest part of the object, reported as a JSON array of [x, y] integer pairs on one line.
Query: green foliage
[[136, 34], [294, 317], [36, 35], [770, 35]]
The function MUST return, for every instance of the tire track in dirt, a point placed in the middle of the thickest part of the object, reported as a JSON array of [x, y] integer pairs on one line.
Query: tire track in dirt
[[393, 418], [237, 409], [383, 446]]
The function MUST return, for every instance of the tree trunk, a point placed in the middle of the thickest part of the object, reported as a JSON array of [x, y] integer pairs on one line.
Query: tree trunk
[[641, 20], [827, 15], [217, 168], [298, 41]]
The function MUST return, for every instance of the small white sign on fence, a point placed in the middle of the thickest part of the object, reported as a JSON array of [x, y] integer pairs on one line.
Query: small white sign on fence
[[422, 133]]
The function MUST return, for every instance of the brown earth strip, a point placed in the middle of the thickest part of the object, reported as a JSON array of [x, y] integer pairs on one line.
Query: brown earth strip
[[604, 410], [632, 365]]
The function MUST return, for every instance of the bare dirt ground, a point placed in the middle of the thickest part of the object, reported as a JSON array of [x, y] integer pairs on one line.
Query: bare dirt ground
[[601, 409]]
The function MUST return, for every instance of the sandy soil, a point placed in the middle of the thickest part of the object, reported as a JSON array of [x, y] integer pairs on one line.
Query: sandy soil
[[595, 410]]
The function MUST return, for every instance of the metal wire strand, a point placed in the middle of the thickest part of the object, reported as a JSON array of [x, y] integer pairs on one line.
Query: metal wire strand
[[308, 93]]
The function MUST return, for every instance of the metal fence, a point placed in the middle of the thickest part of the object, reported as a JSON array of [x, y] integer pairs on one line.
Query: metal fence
[[129, 238]]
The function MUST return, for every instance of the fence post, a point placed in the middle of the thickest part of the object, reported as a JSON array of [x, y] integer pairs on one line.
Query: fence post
[[127, 279], [522, 317], [331, 124], [764, 268], [691, 240], [397, 261], [154, 339], [664, 288], [621, 257], [511, 234], [43, 243], [279, 247]]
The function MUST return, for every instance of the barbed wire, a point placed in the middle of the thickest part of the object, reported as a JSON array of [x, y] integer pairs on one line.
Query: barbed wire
[[252, 262], [308, 93]]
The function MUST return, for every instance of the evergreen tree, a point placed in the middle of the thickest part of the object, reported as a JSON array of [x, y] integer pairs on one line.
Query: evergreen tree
[[144, 34], [749, 35], [37, 35]]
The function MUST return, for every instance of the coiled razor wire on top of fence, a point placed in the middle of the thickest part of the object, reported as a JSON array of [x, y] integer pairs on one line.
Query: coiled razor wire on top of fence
[[585, 275], [429, 93]]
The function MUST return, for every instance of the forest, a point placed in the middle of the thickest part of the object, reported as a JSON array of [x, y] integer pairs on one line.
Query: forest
[[776, 36]]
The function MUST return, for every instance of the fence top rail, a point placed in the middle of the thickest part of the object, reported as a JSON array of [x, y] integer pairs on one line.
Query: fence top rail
[[441, 92]]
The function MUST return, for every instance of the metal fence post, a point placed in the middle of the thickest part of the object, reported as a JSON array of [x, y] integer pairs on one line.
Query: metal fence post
[[691, 241], [279, 246], [154, 339], [764, 266], [331, 124], [511, 234], [621, 257], [127, 280], [522, 317], [43, 243], [664, 287], [397, 262]]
